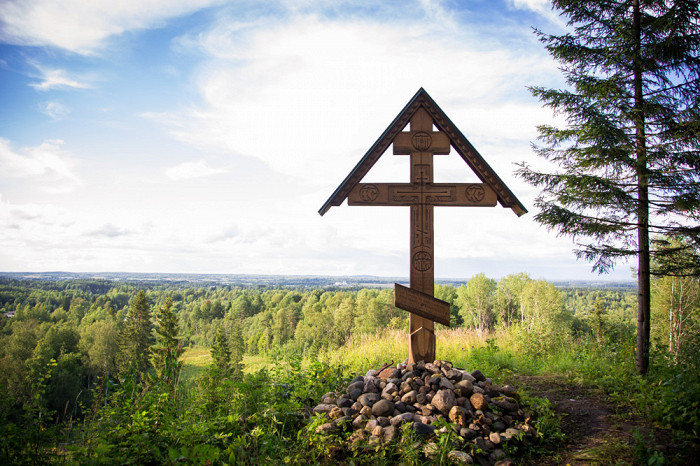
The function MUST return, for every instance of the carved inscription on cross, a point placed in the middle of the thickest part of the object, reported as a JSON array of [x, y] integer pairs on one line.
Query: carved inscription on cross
[[422, 195]]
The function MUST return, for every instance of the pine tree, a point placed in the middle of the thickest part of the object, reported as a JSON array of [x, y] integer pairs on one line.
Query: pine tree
[[629, 155], [135, 338], [168, 348]]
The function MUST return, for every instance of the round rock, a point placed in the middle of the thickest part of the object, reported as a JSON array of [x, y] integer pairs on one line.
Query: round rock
[[459, 416], [444, 400], [368, 399], [383, 408], [459, 457], [478, 401]]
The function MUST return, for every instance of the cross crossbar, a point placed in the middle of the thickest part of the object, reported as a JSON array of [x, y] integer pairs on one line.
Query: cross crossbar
[[435, 194]]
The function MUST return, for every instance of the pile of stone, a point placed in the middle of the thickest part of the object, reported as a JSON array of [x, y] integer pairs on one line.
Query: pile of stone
[[482, 414]]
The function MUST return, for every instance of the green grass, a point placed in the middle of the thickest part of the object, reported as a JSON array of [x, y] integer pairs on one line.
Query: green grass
[[255, 363], [463, 347], [196, 358]]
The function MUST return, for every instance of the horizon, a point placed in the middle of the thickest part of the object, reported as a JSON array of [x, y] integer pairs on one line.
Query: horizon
[[203, 136], [383, 279]]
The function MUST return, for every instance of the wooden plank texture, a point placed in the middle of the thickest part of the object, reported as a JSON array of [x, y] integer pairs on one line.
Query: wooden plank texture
[[435, 194], [422, 304]]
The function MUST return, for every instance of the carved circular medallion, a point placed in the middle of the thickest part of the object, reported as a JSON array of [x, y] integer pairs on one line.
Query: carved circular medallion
[[475, 193], [422, 261], [369, 192], [422, 140]]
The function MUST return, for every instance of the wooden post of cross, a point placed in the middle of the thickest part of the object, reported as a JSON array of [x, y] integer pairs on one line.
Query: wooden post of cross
[[422, 194], [423, 145]]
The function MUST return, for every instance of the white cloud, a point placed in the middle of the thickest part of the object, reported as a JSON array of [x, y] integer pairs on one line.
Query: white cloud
[[54, 110], [308, 96], [51, 168], [288, 103], [109, 230], [189, 170], [56, 78], [534, 5], [82, 26], [542, 7]]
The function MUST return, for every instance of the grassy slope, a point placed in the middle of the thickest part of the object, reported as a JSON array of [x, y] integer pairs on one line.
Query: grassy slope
[[582, 366]]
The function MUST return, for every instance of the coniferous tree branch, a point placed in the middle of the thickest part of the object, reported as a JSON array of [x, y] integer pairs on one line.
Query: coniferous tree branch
[[629, 155]]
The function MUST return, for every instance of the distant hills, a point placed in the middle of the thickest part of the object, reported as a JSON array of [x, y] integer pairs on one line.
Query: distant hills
[[306, 281]]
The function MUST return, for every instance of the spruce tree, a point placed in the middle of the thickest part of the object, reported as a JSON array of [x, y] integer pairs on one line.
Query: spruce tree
[[136, 337], [221, 352], [237, 346], [168, 347], [628, 157]]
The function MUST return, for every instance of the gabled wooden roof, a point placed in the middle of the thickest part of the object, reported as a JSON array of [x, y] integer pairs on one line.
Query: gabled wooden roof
[[460, 143]]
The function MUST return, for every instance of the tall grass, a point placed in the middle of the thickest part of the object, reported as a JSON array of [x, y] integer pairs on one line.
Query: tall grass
[[498, 354], [463, 347]]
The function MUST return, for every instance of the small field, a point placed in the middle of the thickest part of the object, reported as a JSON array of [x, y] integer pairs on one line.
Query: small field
[[196, 358]]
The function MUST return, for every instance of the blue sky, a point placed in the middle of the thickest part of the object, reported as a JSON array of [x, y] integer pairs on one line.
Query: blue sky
[[204, 135]]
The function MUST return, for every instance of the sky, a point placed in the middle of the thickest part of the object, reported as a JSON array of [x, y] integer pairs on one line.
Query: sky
[[203, 136]]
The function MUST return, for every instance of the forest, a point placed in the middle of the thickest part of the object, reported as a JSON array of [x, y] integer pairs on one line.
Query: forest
[[96, 371]]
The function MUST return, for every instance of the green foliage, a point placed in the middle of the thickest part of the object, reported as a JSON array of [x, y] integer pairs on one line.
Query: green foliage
[[509, 298], [27, 432], [627, 156], [221, 352], [408, 441], [135, 338], [476, 302], [547, 421], [644, 453], [676, 315], [257, 417], [168, 348]]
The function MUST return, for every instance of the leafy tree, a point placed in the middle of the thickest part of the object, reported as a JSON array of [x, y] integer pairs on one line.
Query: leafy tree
[[598, 319], [476, 302], [242, 306], [217, 310], [15, 351], [545, 327], [136, 338], [168, 347], [344, 320], [509, 297], [628, 156], [98, 342], [676, 312], [543, 304], [448, 293]]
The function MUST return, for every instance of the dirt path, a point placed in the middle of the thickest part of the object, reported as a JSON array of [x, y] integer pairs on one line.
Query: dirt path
[[599, 433], [594, 433]]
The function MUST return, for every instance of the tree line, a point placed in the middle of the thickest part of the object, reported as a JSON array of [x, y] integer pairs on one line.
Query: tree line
[[94, 332]]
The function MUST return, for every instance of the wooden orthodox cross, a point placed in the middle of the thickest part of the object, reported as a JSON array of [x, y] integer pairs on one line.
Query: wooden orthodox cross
[[421, 194]]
